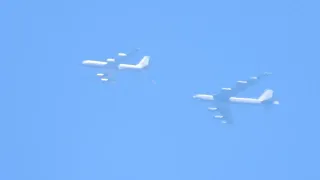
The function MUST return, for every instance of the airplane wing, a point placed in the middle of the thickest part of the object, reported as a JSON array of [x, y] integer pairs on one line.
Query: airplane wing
[[240, 86], [223, 108], [123, 56], [107, 75]]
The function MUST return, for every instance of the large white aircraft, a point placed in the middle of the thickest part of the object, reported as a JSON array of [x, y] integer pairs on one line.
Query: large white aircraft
[[226, 97], [111, 65]]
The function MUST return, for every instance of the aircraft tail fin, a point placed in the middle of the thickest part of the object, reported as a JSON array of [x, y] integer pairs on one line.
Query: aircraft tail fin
[[144, 62], [266, 95]]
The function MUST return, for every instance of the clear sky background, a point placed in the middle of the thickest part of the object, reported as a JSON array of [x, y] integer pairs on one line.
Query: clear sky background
[[59, 121]]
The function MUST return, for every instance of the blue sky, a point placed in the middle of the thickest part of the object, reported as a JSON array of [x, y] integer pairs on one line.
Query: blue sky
[[60, 122]]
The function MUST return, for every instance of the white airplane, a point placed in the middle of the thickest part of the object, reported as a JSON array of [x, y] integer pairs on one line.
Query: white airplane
[[144, 62], [226, 97]]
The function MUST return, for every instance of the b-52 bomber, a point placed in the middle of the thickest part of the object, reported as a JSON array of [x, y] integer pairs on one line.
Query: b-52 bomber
[[226, 96], [112, 64]]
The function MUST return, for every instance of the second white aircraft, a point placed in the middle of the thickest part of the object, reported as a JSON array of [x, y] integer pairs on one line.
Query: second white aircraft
[[226, 97]]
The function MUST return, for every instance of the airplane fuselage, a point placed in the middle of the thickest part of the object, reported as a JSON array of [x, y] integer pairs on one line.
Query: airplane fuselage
[[235, 100], [102, 64], [129, 66], [244, 100]]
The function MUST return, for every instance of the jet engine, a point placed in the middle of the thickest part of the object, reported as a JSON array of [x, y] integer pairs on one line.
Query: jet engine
[[111, 60], [100, 74], [212, 109], [122, 54], [218, 116], [242, 82]]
